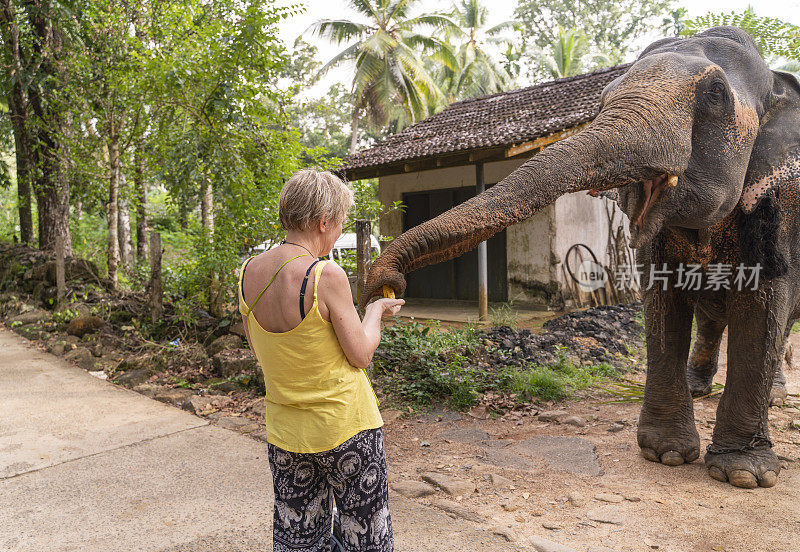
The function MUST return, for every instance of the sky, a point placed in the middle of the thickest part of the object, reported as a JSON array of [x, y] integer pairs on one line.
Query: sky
[[499, 11]]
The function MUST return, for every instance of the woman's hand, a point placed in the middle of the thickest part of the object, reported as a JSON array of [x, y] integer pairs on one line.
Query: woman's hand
[[386, 307]]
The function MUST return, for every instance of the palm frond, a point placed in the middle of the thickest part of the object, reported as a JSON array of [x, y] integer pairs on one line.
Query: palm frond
[[338, 30]]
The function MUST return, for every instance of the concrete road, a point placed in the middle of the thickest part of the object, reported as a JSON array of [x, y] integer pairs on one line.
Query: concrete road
[[86, 465]]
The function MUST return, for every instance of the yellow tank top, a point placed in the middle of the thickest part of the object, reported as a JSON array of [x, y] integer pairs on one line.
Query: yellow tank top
[[316, 400]]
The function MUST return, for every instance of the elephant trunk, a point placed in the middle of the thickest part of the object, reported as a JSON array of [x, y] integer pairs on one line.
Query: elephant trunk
[[603, 156]]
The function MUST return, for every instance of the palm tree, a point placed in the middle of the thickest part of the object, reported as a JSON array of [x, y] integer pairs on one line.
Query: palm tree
[[478, 71], [389, 71], [569, 55]]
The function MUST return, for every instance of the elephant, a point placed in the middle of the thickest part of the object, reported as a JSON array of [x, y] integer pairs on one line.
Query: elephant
[[701, 142]]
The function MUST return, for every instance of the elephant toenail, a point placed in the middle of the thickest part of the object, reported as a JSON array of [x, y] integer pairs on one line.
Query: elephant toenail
[[718, 474], [743, 479], [672, 458], [650, 454], [768, 479]]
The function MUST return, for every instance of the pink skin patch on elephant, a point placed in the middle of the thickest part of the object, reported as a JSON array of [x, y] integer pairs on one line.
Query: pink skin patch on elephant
[[754, 191]]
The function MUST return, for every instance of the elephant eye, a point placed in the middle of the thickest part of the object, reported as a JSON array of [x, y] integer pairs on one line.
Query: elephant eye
[[716, 91]]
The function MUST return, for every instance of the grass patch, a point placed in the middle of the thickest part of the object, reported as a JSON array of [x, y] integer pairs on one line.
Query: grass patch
[[421, 364]]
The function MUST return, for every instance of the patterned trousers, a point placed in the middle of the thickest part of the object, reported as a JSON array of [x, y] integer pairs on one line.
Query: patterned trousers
[[353, 475]]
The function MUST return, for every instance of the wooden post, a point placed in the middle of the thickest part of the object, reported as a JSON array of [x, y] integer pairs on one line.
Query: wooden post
[[60, 283], [154, 286], [363, 247], [483, 277]]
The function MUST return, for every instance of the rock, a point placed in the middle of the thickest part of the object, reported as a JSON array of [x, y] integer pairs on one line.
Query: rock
[[604, 515], [223, 388], [197, 404], [449, 484], [498, 480], [238, 423], [469, 435], [607, 497], [233, 362], [132, 378], [569, 454], [505, 458], [576, 499], [616, 427], [56, 348], [504, 532], [412, 489], [551, 526], [30, 317], [509, 505], [553, 416], [576, 421], [258, 408], [458, 510], [149, 389], [238, 329], [228, 341], [176, 395], [795, 424], [84, 324], [544, 545], [82, 357]]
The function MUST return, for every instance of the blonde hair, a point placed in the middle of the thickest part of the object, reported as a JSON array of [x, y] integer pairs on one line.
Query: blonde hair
[[310, 195]]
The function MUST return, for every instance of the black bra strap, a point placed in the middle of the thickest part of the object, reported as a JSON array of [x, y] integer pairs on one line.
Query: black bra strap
[[303, 290]]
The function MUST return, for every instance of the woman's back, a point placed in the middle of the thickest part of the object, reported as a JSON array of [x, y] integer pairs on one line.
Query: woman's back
[[278, 308]]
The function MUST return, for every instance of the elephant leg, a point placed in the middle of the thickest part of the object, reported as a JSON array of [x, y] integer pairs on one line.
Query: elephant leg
[[778, 393], [702, 363], [667, 433], [741, 452]]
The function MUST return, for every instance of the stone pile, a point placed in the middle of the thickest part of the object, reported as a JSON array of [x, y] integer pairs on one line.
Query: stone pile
[[599, 334]]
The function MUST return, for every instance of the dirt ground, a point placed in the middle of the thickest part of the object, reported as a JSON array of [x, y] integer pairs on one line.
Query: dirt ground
[[641, 505]]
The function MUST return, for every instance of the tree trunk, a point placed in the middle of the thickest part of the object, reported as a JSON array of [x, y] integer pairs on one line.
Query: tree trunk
[[354, 136], [112, 214], [140, 184], [207, 209], [18, 107], [49, 180], [124, 230]]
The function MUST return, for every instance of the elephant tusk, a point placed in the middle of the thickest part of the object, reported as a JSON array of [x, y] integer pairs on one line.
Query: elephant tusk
[[673, 181]]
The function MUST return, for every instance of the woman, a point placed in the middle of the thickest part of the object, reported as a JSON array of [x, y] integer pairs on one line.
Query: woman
[[323, 423]]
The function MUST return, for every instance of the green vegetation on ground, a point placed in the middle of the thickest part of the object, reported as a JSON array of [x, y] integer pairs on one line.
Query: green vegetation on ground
[[424, 364]]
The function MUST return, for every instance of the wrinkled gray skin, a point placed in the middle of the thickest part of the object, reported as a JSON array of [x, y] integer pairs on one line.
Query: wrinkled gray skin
[[703, 128]]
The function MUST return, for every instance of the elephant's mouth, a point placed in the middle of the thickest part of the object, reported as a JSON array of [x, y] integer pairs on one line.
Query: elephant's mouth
[[645, 195], [651, 191]]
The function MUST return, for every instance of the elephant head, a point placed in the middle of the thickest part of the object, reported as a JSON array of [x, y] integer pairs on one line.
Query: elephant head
[[685, 135]]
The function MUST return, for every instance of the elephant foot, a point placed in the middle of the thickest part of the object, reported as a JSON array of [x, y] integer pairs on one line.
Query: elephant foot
[[747, 469], [669, 445], [699, 384], [778, 394]]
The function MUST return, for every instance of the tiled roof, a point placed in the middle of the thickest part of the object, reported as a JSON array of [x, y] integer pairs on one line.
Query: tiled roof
[[501, 119]]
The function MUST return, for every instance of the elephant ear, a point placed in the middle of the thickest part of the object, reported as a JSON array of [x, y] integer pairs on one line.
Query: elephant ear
[[775, 160], [776, 152]]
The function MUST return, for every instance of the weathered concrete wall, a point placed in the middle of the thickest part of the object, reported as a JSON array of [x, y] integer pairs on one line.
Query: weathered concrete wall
[[581, 218]]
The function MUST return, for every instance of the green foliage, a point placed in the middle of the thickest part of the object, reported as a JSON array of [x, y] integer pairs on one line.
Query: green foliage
[[477, 70], [504, 315], [422, 363], [556, 381], [65, 315], [569, 55], [774, 37], [610, 26], [390, 81]]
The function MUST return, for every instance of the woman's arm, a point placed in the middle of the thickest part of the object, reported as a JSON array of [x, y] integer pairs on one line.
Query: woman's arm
[[358, 338]]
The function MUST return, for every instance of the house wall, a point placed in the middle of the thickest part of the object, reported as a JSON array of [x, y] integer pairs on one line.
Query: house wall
[[536, 247], [581, 218]]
